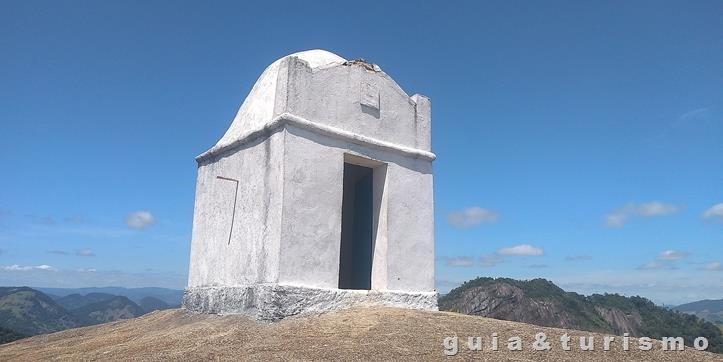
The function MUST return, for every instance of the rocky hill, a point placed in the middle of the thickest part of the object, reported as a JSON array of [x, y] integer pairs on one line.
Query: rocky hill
[[541, 302], [711, 310], [351, 335]]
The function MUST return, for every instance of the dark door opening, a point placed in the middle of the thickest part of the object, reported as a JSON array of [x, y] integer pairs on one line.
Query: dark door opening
[[355, 260]]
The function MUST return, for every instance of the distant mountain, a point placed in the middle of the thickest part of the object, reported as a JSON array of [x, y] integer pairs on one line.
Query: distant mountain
[[541, 302], [28, 312], [75, 301], [149, 304], [116, 308], [25, 311], [711, 310], [172, 297]]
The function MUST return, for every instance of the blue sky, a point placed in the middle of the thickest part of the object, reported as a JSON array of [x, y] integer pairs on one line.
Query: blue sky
[[577, 141]]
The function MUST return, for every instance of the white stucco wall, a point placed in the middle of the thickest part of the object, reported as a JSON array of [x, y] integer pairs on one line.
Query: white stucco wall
[[335, 96], [311, 232], [251, 256]]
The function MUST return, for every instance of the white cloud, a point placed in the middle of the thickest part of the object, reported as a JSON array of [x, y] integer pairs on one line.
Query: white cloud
[[498, 257], [88, 270], [656, 208], [16, 267], [471, 216], [46, 267], [85, 252], [619, 217], [670, 255], [489, 260], [459, 261], [713, 266], [139, 219], [664, 260], [521, 250], [714, 213]]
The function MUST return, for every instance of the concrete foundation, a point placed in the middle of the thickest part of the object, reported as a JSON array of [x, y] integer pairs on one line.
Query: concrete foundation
[[272, 302]]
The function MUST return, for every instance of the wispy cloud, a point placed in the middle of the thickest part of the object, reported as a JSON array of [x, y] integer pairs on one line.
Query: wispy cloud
[[96, 232], [665, 260], [654, 265], [669, 286], [48, 220], [41, 220], [698, 114], [140, 219], [16, 267], [460, 261], [32, 226], [498, 257], [471, 216], [84, 252], [697, 122], [672, 255], [58, 252], [521, 250], [714, 213], [457, 261], [49, 276], [578, 257], [538, 266], [75, 219], [619, 217], [490, 260], [713, 266]]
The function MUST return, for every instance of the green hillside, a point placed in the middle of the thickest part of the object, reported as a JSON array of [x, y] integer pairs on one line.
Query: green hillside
[[25, 311], [8, 335], [28, 311]]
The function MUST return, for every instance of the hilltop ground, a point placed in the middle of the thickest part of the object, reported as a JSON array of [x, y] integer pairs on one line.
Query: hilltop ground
[[354, 334]]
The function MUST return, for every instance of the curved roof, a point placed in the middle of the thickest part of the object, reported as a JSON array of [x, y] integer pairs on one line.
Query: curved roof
[[258, 107], [317, 58]]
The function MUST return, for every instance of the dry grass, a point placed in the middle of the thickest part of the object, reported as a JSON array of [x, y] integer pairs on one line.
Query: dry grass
[[349, 335]]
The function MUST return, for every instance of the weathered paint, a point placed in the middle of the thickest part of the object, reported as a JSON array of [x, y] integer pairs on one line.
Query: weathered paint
[[306, 115]]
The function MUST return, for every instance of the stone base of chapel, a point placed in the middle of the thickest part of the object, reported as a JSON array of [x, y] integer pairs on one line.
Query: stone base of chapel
[[271, 302]]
